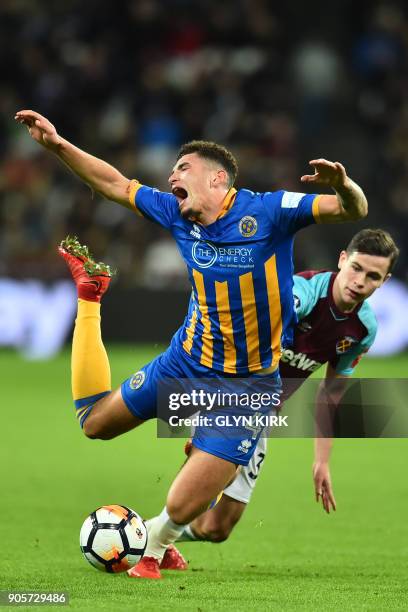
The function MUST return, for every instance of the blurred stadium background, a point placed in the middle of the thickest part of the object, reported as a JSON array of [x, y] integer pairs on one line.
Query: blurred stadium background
[[278, 83]]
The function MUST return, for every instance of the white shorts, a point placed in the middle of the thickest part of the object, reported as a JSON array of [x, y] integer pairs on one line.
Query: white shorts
[[244, 483]]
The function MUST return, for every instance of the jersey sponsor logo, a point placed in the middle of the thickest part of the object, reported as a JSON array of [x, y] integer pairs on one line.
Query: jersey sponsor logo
[[137, 380], [345, 344], [300, 361], [205, 254], [291, 200], [236, 257], [248, 226]]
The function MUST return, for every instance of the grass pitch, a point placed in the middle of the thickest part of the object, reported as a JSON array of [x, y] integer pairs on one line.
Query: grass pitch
[[285, 554]]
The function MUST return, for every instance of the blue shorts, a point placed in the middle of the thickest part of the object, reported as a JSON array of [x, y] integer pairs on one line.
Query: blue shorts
[[236, 442]]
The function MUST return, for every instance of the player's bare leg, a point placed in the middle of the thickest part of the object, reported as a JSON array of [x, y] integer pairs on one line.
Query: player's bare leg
[[101, 413], [189, 495], [211, 526], [215, 525], [199, 481], [109, 418]]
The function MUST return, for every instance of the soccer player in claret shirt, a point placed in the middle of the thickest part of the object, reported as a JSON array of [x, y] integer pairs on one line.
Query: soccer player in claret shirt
[[237, 247], [336, 326]]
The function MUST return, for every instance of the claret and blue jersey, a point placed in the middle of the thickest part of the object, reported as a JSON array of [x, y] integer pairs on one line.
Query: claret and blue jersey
[[324, 334], [240, 268]]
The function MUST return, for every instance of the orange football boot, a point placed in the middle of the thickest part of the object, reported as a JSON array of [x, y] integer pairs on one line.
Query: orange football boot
[[92, 279], [173, 559], [148, 567]]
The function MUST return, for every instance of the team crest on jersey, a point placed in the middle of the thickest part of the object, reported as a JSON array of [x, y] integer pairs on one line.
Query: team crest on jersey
[[137, 380], [345, 344], [248, 226]]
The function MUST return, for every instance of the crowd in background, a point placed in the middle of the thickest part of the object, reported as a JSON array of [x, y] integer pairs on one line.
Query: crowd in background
[[277, 83]]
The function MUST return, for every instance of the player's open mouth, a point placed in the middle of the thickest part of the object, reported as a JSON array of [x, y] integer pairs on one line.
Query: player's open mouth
[[180, 193]]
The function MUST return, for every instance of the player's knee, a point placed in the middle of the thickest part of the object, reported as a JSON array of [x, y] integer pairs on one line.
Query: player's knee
[[181, 510], [90, 430], [217, 534], [95, 429], [215, 531], [179, 514]]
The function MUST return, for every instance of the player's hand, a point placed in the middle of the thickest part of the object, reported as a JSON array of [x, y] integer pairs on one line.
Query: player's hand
[[41, 130], [328, 173], [323, 487]]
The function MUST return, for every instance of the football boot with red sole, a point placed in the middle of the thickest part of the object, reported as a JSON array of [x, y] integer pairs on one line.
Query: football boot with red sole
[[148, 567], [92, 279], [173, 560]]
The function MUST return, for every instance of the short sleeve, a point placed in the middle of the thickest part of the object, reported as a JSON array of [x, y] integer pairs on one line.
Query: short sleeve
[[153, 204], [307, 292], [347, 363], [290, 211]]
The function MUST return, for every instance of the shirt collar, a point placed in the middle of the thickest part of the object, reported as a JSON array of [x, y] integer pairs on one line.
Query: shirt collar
[[227, 202]]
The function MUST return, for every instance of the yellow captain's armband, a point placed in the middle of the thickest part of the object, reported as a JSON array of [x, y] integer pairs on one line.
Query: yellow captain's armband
[[133, 189], [315, 209]]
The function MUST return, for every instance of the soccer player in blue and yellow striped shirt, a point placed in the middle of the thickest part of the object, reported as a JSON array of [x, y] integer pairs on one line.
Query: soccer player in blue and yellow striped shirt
[[237, 246]]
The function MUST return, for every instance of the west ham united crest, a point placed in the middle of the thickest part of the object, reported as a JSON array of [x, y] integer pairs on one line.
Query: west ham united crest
[[137, 380], [248, 226], [344, 345]]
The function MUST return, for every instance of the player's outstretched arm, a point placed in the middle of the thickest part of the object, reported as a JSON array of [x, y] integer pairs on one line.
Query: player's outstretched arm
[[322, 451], [99, 175], [329, 395], [349, 203]]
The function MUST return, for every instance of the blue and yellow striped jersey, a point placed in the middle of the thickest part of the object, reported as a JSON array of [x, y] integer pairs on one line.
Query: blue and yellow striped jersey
[[240, 267]]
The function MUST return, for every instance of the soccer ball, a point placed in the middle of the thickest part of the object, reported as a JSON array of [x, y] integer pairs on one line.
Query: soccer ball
[[113, 538]]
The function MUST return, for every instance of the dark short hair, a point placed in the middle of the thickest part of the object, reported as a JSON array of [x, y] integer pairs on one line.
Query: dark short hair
[[374, 242], [214, 152]]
